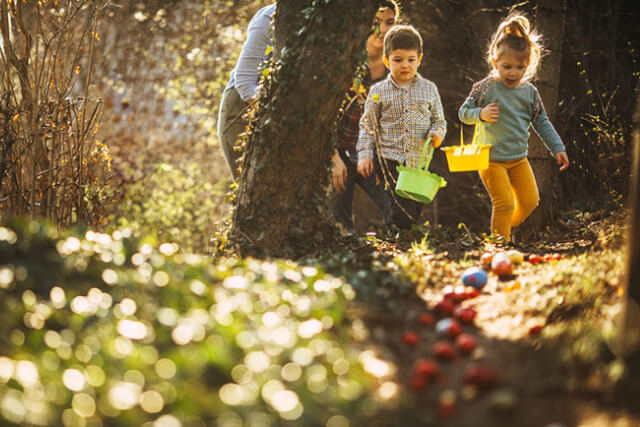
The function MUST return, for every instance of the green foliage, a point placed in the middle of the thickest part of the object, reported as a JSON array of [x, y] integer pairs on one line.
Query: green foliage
[[174, 204], [120, 332]]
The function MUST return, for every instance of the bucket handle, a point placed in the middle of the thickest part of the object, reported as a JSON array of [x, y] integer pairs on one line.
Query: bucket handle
[[476, 131], [424, 159]]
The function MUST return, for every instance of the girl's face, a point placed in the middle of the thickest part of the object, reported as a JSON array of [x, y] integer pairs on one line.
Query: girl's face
[[384, 20], [511, 67]]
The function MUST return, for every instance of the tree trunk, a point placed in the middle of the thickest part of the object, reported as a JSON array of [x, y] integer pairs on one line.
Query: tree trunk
[[550, 22], [630, 328], [281, 204]]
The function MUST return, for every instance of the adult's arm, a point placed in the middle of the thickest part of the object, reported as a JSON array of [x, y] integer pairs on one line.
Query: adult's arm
[[254, 51]]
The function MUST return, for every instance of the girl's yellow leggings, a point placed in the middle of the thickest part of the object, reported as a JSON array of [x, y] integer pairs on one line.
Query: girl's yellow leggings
[[514, 194]]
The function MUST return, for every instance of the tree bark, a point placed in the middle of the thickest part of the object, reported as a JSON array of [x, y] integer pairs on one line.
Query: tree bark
[[550, 22], [630, 328], [281, 203]]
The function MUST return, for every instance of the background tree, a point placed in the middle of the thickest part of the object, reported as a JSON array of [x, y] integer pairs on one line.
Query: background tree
[[549, 20], [281, 208]]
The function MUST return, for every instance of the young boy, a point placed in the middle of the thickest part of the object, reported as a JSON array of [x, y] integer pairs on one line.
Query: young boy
[[400, 113]]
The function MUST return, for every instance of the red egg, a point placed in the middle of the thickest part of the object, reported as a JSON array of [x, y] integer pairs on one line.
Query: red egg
[[444, 350], [454, 329], [534, 259], [448, 327], [449, 294], [426, 368], [410, 338], [501, 265], [418, 383], [459, 294], [465, 314], [444, 307], [471, 292], [535, 329], [481, 376], [466, 343], [426, 319]]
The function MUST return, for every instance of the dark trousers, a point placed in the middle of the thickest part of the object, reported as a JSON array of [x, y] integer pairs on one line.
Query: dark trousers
[[405, 212], [344, 200]]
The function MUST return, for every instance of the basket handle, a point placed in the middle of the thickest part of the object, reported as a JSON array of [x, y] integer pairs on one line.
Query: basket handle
[[424, 159], [476, 131]]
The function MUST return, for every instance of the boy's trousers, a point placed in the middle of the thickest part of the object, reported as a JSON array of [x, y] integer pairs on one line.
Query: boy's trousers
[[406, 212]]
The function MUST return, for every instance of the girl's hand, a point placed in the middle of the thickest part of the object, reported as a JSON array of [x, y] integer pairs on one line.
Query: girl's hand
[[436, 140], [365, 167], [563, 160], [490, 113]]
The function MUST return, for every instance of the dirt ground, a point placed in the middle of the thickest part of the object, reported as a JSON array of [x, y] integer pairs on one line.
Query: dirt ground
[[533, 385]]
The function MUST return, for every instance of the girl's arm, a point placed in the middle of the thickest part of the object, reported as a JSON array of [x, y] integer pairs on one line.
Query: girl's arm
[[469, 112], [543, 126]]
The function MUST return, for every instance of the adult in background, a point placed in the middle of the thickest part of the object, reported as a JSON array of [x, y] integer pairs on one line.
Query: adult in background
[[345, 157], [243, 88]]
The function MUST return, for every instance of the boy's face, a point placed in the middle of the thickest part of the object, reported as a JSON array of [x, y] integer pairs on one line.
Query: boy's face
[[403, 64]]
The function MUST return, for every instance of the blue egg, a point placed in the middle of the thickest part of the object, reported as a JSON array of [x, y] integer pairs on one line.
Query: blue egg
[[442, 326], [474, 276]]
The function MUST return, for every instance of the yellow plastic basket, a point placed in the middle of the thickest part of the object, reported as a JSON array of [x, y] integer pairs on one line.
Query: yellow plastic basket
[[470, 157]]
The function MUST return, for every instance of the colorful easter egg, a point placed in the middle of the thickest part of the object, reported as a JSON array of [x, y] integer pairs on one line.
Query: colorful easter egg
[[474, 276]]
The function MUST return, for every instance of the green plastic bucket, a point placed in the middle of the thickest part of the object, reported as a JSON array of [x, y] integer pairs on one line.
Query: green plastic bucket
[[418, 183]]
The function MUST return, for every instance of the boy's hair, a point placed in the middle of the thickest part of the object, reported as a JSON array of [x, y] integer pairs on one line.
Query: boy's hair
[[391, 4], [514, 33], [402, 37]]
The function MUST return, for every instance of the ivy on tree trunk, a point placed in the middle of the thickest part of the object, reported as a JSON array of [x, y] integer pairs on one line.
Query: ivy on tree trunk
[[281, 204]]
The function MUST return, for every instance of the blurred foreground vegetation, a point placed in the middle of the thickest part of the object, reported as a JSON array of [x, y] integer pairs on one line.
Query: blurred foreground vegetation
[[105, 329]]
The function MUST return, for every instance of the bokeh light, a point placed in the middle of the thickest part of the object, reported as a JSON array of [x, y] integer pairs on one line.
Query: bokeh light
[[84, 405], [151, 401], [26, 373], [165, 368], [132, 329], [257, 361], [6, 369], [124, 395], [58, 297], [73, 379], [309, 328]]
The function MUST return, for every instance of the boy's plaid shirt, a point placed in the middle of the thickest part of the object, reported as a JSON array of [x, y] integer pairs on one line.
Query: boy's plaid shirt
[[403, 117]]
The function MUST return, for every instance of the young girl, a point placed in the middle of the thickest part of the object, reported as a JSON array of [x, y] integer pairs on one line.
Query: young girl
[[505, 104]]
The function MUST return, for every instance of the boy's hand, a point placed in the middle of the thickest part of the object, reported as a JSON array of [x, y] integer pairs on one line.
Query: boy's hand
[[436, 140], [365, 167], [490, 113], [563, 160]]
